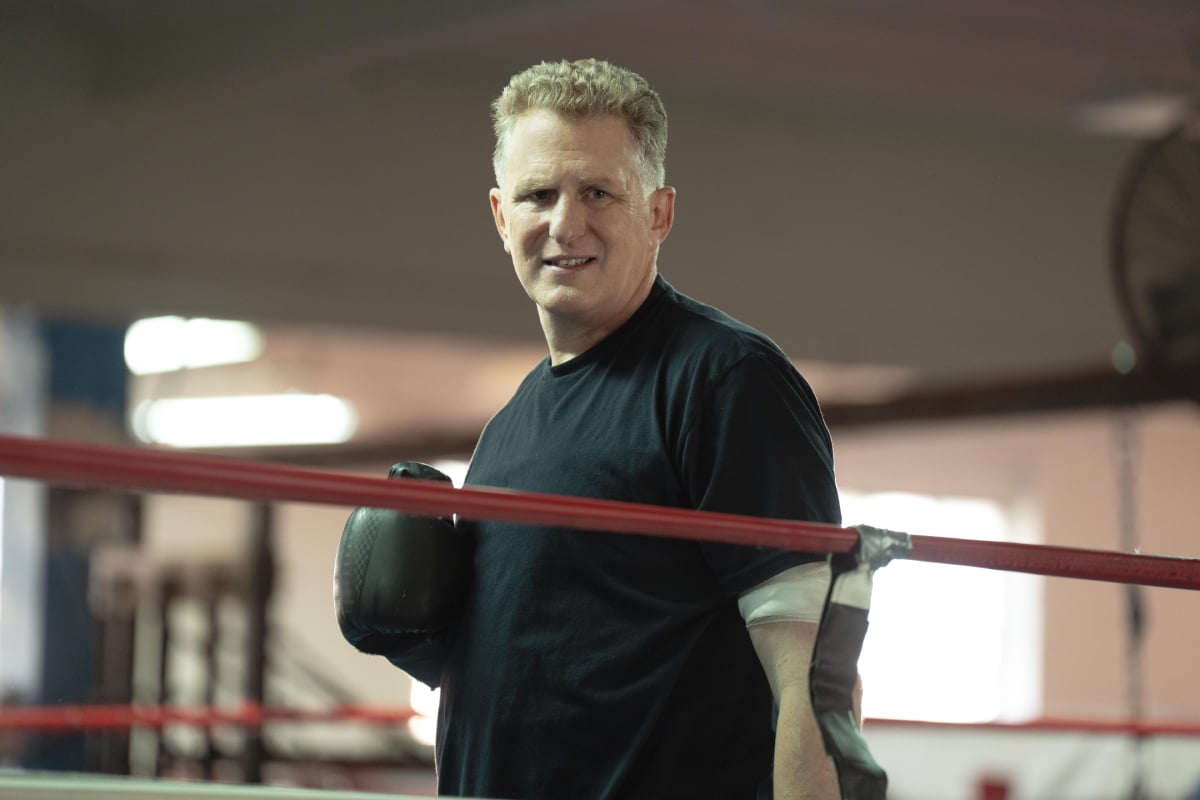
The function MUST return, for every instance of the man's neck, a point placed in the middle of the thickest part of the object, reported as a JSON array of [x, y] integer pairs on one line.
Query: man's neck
[[568, 338]]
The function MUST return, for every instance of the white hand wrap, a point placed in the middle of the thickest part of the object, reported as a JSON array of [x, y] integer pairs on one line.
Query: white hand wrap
[[794, 595]]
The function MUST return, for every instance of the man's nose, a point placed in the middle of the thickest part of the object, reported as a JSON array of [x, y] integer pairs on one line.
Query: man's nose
[[568, 218]]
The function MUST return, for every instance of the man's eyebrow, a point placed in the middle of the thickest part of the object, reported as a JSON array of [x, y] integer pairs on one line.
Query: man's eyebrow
[[527, 186], [524, 187]]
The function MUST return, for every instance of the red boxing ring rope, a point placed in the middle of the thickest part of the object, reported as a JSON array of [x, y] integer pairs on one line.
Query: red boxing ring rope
[[72, 718], [141, 470]]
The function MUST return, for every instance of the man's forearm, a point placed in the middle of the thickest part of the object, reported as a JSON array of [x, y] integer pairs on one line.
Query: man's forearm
[[803, 770]]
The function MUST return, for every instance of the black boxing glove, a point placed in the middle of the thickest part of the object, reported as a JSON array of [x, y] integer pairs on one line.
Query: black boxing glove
[[398, 581]]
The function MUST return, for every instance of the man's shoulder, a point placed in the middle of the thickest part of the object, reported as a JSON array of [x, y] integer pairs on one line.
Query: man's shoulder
[[696, 325]]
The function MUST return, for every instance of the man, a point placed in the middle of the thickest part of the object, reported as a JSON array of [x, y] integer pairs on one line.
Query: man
[[601, 665]]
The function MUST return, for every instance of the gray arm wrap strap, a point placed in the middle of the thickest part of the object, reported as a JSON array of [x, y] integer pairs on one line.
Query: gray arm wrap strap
[[834, 669]]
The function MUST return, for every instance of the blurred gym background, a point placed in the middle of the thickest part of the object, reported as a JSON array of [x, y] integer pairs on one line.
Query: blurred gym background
[[260, 230]]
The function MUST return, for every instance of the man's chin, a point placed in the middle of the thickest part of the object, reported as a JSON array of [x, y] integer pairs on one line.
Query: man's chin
[[563, 304]]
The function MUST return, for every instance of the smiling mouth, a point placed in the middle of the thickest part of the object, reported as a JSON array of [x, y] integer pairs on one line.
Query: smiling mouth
[[568, 263]]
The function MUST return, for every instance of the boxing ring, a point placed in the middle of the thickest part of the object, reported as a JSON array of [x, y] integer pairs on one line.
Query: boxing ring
[[140, 471]]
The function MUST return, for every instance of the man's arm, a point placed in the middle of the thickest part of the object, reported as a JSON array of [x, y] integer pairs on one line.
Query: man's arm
[[803, 770]]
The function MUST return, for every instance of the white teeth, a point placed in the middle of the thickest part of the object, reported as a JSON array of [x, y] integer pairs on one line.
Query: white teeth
[[569, 262]]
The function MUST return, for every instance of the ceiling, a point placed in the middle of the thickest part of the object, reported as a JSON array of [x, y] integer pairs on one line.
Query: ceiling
[[903, 186]]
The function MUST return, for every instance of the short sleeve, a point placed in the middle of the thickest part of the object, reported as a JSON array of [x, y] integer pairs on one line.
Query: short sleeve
[[759, 446]]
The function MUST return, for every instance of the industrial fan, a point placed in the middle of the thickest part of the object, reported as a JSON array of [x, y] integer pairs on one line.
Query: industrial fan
[[1155, 249]]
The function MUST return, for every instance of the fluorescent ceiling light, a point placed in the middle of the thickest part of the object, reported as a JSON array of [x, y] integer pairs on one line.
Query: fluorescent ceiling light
[[1141, 114], [280, 419], [163, 344]]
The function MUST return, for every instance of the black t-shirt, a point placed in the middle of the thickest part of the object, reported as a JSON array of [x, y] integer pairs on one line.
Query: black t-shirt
[[605, 665]]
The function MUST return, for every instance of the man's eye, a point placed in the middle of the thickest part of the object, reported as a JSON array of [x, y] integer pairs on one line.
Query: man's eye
[[597, 194], [541, 195]]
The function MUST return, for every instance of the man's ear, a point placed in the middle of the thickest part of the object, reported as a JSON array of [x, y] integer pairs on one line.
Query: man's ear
[[662, 211], [498, 215]]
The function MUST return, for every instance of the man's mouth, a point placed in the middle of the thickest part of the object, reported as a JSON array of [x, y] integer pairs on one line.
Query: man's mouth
[[568, 263]]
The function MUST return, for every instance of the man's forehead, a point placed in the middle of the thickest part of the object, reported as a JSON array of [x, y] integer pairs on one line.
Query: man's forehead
[[565, 167], [572, 164]]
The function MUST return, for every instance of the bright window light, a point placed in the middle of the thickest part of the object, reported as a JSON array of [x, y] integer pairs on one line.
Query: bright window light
[[243, 421], [1, 529], [164, 344], [947, 643], [424, 701], [455, 469]]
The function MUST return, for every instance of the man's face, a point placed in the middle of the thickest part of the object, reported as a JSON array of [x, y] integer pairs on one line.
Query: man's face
[[573, 214]]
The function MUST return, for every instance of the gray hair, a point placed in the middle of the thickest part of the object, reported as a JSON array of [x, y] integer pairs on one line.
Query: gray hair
[[582, 89]]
